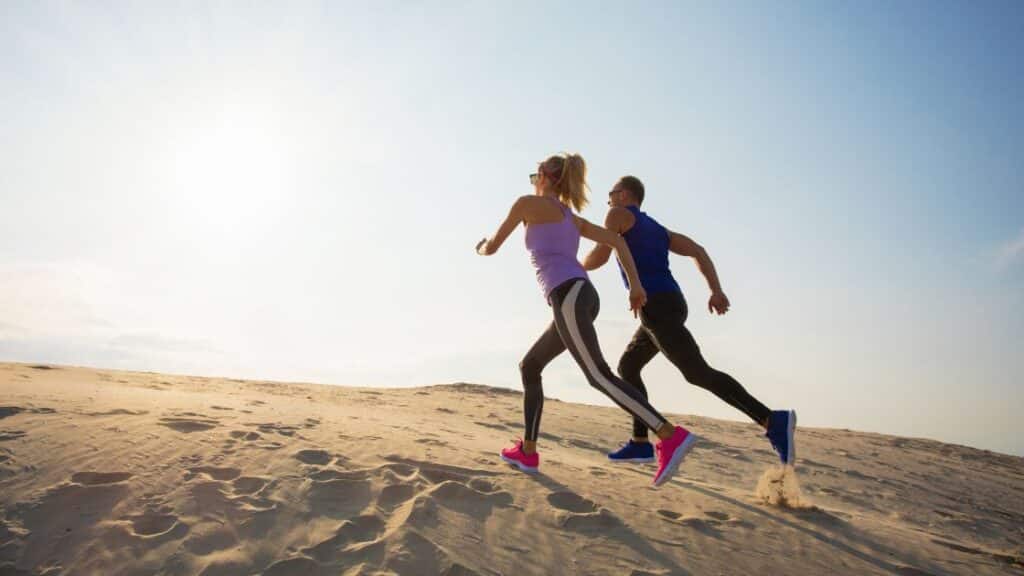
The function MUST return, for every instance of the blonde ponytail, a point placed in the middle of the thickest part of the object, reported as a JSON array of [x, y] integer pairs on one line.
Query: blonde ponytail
[[569, 174]]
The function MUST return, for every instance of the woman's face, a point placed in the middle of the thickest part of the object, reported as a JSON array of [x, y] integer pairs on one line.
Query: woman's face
[[538, 179]]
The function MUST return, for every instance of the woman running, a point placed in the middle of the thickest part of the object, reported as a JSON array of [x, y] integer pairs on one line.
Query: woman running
[[553, 238]]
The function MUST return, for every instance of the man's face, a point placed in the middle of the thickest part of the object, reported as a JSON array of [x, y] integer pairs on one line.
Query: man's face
[[618, 197]]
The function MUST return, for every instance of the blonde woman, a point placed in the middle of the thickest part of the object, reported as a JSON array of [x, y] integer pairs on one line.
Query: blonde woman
[[552, 238]]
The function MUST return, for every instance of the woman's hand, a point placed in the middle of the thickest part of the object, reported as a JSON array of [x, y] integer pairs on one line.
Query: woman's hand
[[637, 299], [484, 247]]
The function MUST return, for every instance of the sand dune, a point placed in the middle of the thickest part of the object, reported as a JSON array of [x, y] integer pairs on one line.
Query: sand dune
[[105, 472]]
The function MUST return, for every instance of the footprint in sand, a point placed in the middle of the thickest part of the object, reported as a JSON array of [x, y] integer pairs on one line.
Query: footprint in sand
[[707, 526], [188, 425], [99, 478], [418, 492], [221, 474], [6, 411], [367, 539], [152, 524], [722, 516], [10, 435], [394, 495], [431, 442], [297, 565], [245, 435], [581, 514], [481, 485], [595, 522], [325, 474], [461, 498], [249, 484], [89, 495], [230, 504], [272, 427], [118, 412], [578, 443], [358, 530], [571, 502], [714, 519], [433, 472], [317, 457], [208, 537], [494, 425], [339, 497]]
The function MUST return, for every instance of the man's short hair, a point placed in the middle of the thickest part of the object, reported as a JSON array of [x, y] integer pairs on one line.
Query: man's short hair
[[635, 187]]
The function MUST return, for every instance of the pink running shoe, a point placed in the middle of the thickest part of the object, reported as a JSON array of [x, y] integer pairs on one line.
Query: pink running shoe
[[525, 462], [671, 453]]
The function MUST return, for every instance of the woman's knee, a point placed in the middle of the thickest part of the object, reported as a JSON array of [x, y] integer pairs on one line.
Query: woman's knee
[[530, 371]]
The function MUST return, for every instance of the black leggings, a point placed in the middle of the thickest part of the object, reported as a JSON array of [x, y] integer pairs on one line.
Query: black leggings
[[576, 304], [663, 330]]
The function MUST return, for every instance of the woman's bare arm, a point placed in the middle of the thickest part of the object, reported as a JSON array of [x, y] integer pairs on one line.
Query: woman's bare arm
[[516, 215], [637, 295], [618, 220]]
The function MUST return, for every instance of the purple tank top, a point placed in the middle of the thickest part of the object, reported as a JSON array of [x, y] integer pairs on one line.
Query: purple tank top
[[553, 247]]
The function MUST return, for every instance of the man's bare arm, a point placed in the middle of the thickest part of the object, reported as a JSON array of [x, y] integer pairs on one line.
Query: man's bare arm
[[685, 246]]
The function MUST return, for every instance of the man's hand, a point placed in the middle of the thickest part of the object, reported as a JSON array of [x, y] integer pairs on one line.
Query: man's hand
[[719, 303], [637, 300]]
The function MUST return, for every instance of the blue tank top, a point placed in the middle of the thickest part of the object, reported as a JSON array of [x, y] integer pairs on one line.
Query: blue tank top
[[648, 243]]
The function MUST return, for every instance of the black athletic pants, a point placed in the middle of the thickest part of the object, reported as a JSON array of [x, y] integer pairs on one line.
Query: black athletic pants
[[662, 329], [575, 304]]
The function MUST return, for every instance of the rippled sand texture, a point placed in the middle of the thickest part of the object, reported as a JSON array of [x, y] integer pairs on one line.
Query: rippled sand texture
[[105, 472]]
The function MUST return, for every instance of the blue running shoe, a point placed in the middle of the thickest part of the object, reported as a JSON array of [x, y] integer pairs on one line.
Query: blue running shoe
[[633, 452], [780, 431]]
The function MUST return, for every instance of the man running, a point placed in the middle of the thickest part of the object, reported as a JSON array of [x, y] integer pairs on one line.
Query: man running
[[663, 320]]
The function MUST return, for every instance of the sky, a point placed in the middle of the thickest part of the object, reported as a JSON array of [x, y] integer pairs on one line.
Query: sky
[[293, 191]]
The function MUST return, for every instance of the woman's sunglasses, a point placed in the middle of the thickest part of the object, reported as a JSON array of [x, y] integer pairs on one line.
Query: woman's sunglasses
[[533, 178]]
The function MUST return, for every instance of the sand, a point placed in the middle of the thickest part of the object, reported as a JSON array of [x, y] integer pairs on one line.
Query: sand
[[107, 472]]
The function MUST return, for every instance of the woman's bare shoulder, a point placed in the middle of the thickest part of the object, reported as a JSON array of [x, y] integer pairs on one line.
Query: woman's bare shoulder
[[537, 209]]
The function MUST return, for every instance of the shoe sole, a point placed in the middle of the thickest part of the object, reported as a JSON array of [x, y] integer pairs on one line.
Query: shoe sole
[[677, 459], [632, 460], [519, 465]]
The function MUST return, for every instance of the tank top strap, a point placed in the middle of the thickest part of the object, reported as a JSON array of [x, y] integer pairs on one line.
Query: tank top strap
[[566, 211]]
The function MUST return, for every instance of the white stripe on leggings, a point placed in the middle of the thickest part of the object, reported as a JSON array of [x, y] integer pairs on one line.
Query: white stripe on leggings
[[536, 421], [569, 316]]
